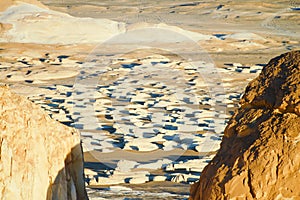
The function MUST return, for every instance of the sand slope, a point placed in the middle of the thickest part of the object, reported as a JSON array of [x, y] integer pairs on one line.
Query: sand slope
[[7, 3]]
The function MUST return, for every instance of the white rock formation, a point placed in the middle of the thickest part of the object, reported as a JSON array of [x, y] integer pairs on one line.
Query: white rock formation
[[39, 157]]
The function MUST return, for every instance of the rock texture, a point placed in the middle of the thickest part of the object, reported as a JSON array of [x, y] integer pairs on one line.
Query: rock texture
[[259, 156], [39, 157], [7, 3]]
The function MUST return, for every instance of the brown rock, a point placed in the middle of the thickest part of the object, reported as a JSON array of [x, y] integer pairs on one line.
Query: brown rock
[[259, 156], [39, 157]]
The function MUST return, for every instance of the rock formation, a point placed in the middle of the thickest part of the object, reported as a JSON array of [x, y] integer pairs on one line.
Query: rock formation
[[259, 156], [39, 157]]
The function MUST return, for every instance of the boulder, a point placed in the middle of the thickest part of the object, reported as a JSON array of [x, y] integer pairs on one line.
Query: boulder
[[39, 157], [259, 155]]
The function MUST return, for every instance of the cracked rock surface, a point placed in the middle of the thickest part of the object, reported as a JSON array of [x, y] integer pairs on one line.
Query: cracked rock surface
[[259, 155]]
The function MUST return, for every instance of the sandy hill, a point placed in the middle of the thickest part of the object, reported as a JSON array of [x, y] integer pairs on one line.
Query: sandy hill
[[31, 22], [7, 3]]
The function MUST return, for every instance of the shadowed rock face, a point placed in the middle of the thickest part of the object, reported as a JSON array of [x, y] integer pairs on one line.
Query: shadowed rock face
[[39, 157], [259, 156]]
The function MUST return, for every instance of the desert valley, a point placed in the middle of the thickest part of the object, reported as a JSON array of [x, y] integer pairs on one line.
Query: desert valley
[[149, 85]]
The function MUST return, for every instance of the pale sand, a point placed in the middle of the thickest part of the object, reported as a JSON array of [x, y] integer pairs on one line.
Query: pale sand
[[8, 3]]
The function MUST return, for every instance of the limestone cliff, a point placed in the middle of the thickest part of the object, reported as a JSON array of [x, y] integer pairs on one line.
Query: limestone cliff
[[39, 157], [259, 156]]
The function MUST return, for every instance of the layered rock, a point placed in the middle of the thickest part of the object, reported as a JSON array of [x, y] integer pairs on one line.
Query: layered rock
[[259, 156], [39, 157]]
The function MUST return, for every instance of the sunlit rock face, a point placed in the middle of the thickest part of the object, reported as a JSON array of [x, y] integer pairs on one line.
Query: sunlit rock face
[[259, 155], [39, 157]]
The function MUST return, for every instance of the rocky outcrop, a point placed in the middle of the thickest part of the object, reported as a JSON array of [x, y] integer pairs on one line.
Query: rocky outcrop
[[39, 157], [259, 156]]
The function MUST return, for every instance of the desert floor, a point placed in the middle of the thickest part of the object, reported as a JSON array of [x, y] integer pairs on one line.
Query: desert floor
[[150, 85]]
